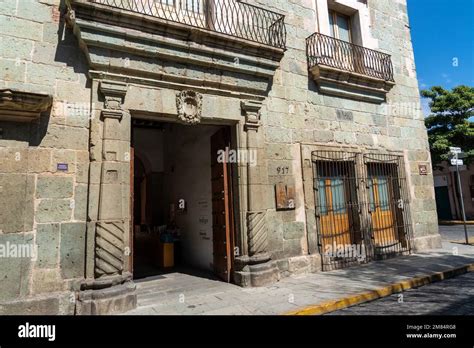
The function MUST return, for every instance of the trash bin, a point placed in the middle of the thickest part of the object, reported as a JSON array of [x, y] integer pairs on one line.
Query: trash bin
[[167, 255]]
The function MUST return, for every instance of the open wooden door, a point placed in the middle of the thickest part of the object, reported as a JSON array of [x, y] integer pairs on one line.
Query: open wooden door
[[222, 212]]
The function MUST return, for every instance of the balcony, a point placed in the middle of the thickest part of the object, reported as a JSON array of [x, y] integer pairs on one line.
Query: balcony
[[229, 17], [347, 70], [223, 45]]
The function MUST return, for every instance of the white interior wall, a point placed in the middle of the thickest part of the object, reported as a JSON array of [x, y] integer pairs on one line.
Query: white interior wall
[[184, 155], [189, 156]]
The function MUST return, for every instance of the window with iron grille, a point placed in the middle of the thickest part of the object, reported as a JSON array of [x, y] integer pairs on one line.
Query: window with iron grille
[[388, 203], [337, 208], [361, 207]]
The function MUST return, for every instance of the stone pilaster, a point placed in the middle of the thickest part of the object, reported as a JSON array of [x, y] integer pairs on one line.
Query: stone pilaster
[[112, 288], [110, 227], [256, 268]]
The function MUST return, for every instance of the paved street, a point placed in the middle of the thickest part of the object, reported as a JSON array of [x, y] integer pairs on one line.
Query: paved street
[[456, 233], [450, 297]]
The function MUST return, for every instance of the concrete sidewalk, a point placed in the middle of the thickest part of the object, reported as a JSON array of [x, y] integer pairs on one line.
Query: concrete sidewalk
[[456, 234], [181, 294]]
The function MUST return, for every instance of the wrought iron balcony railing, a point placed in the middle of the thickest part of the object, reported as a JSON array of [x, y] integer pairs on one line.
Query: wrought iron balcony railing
[[323, 50], [230, 17]]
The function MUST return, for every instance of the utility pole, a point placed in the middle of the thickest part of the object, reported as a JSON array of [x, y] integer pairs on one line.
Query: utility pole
[[456, 151]]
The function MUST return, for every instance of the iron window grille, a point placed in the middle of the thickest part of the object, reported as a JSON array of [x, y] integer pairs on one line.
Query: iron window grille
[[361, 206]]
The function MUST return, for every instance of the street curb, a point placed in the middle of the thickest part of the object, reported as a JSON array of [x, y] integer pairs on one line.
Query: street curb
[[349, 301], [454, 222]]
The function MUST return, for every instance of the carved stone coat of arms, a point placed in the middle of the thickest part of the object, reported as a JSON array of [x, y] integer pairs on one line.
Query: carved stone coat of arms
[[189, 105]]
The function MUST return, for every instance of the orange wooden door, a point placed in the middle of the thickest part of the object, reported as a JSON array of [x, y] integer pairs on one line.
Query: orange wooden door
[[334, 212], [383, 221], [222, 214]]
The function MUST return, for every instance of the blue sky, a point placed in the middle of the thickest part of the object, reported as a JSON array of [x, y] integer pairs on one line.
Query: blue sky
[[443, 34]]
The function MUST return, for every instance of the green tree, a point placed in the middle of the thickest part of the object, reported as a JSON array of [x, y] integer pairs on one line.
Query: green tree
[[449, 124]]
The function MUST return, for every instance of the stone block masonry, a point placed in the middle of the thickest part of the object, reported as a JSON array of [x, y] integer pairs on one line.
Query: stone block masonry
[[43, 164], [295, 112], [65, 177]]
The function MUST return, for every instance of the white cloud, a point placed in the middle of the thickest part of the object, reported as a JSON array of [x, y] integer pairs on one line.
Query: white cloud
[[425, 105]]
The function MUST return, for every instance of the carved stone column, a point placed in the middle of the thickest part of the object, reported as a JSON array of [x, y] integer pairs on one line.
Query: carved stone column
[[112, 289], [256, 268]]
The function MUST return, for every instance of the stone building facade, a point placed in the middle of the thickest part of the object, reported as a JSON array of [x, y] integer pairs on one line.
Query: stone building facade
[[77, 77]]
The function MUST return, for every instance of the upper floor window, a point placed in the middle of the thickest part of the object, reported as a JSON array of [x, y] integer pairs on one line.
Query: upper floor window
[[185, 5], [340, 26], [195, 5]]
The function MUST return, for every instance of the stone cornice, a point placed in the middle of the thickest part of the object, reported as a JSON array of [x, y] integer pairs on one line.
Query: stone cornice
[[151, 43], [19, 106], [351, 85], [152, 82]]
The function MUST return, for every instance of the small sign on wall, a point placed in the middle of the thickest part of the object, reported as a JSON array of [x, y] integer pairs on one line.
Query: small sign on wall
[[423, 169], [62, 167], [285, 196]]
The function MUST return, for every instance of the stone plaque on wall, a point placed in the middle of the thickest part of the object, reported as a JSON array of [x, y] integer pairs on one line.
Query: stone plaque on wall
[[285, 196], [423, 169]]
